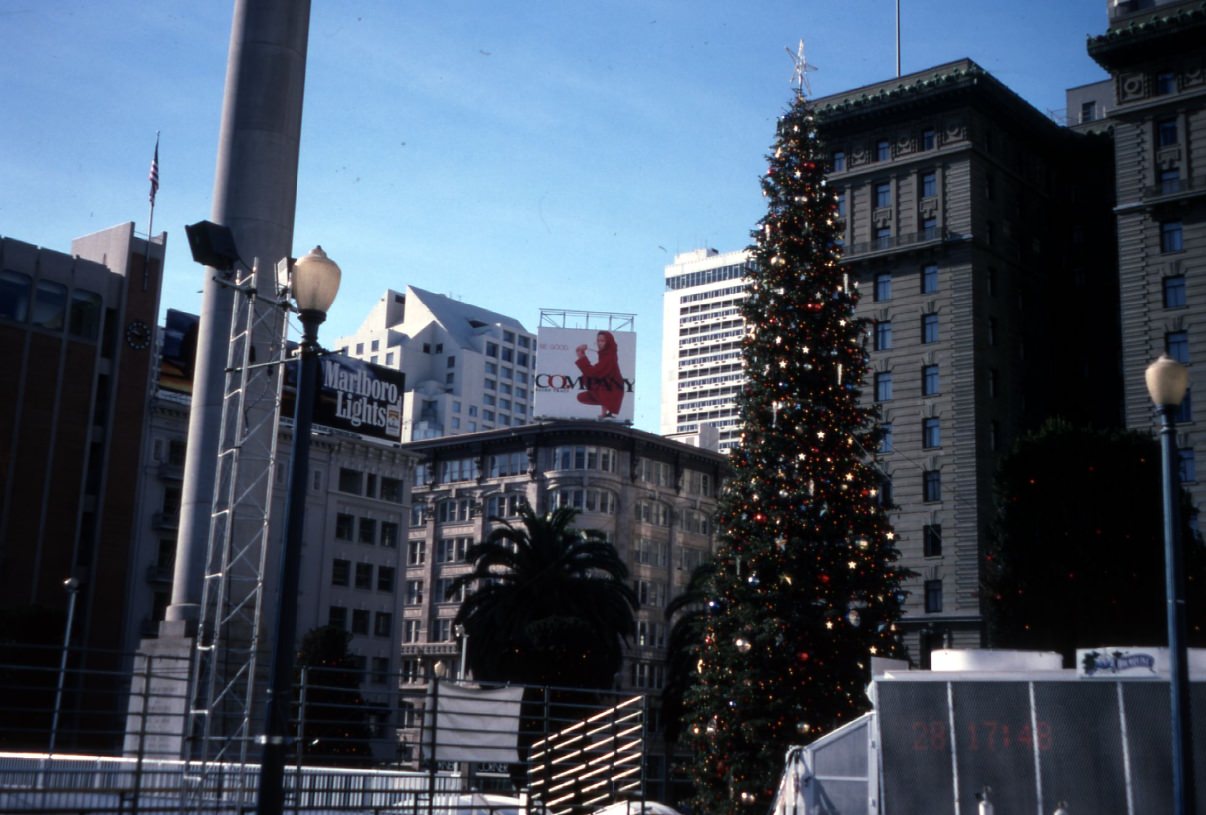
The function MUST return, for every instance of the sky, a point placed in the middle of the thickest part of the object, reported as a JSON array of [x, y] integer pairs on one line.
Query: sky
[[544, 154]]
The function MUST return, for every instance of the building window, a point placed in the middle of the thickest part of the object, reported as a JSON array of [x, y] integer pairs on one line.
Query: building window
[[351, 481], [929, 328], [929, 227], [584, 500], [416, 553], [885, 437], [883, 386], [652, 512], [1166, 132], [1088, 112], [883, 287], [492, 349], [584, 458], [441, 630], [1166, 83], [380, 672], [883, 150], [929, 139], [1170, 181], [391, 489], [933, 596], [1185, 409], [389, 534], [931, 485], [452, 550], [1170, 237], [50, 305], [414, 592], [445, 593], [883, 195], [883, 335], [652, 471], [992, 331], [410, 630], [931, 540], [931, 434], [929, 185], [1174, 291], [368, 531], [385, 579], [992, 382], [344, 526], [698, 483], [930, 383], [883, 237], [885, 492], [650, 593], [650, 552], [1176, 345], [337, 617], [1185, 465], [341, 571], [455, 510], [383, 624], [14, 295], [929, 278], [360, 621], [364, 576], [696, 521], [841, 204], [504, 506], [84, 318], [839, 161]]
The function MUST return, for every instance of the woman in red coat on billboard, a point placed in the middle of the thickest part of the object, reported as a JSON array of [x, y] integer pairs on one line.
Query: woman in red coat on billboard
[[603, 383]]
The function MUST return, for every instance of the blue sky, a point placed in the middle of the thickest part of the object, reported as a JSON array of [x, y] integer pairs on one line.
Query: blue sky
[[517, 155]]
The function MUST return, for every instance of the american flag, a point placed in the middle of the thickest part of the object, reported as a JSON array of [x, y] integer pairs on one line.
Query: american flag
[[153, 175]]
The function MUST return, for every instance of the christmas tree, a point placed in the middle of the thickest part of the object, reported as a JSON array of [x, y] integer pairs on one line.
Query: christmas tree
[[804, 591]]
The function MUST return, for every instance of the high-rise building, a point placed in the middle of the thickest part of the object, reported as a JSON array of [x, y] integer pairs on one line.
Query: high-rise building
[[467, 368], [76, 355], [701, 343], [1155, 53], [970, 222]]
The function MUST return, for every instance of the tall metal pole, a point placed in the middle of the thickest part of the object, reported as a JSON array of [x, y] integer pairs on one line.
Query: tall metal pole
[[898, 39], [1174, 583], [255, 195], [73, 589], [276, 726]]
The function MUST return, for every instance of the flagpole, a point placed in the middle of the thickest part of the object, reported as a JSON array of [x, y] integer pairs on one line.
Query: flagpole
[[153, 177], [898, 39]]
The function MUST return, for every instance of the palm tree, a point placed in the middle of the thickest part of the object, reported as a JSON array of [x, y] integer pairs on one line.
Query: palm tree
[[550, 604]]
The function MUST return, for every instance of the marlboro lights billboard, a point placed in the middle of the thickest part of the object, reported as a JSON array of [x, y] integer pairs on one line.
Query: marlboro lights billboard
[[584, 373], [360, 397], [353, 395]]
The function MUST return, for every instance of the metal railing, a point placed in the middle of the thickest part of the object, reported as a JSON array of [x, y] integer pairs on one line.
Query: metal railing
[[362, 742]]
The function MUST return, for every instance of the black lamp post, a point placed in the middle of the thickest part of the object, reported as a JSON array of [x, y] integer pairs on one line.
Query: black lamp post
[[313, 285], [1167, 381]]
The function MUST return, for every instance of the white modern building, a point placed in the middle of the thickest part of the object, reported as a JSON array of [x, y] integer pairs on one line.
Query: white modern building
[[467, 368], [701, 343]]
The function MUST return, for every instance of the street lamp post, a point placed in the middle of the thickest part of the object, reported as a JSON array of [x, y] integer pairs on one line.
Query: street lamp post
[[72, 585], [313, 285], [1167, 381]]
